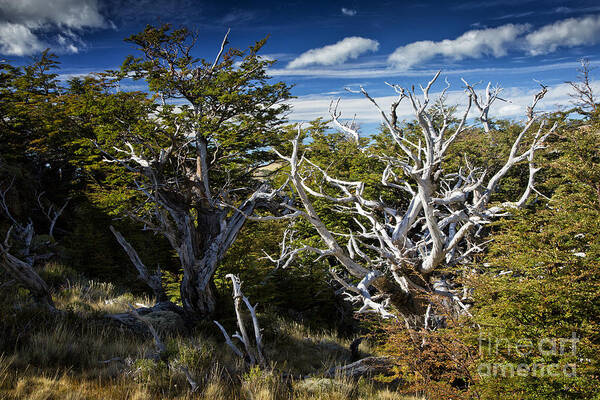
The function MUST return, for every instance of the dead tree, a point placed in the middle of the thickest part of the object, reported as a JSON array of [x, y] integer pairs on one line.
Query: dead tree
[[582, 91], [196, 163], [251, 355], [395, 253], [153, 281], [24, 273], [19, 255]]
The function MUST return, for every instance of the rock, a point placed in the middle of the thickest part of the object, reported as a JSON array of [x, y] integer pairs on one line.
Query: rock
[[368, 366], [162, 320], [165, 321]]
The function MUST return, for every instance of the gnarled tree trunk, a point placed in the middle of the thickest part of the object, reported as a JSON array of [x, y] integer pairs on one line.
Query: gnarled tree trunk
[[199, 300]]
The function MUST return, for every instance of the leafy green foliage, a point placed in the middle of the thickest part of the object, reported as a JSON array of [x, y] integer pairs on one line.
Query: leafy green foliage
[[230, 103], [551, 293]]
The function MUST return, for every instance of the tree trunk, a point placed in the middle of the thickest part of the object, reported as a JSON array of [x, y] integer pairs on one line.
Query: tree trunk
[[411, 304], [29, 278], [366, 367], [198, 302], [203, 246], [201, 239]]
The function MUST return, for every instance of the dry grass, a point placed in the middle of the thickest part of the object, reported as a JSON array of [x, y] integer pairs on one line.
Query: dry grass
[[59, 357]]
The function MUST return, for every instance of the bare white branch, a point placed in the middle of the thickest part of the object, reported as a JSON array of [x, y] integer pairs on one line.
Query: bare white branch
[[443, 211], [253, 355]]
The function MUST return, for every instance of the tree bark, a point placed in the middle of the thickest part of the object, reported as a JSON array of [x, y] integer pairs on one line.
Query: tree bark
[[201, 248], [29, 278], [198, 302]]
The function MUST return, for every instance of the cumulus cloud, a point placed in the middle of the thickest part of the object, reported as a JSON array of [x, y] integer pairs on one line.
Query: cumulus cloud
[[18, 40], [381, 70], [70, 13], [472, 44], [569, 32], [348, 11], [23, 22], [496, 42], [338, 53]]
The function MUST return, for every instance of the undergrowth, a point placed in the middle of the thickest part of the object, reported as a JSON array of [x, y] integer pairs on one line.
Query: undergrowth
[[81, 354]]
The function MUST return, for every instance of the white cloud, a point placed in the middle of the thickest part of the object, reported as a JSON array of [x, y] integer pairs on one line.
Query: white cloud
[[348, 48], [496, 42], [18, 40], [569, 32], [471, 44], [22, 21], [75, 14], [238, 17], [571, 10], [381, 70], [516, 15], [348, 11]]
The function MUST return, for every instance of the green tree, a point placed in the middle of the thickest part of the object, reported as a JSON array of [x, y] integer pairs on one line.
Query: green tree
[[34, 174], [195, 148], [543, 279]]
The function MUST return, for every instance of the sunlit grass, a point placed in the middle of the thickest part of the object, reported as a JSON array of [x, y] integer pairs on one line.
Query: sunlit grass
[[82, 354]]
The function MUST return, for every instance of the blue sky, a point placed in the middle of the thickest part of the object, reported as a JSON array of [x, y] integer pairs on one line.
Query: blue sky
[[324, 48]]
